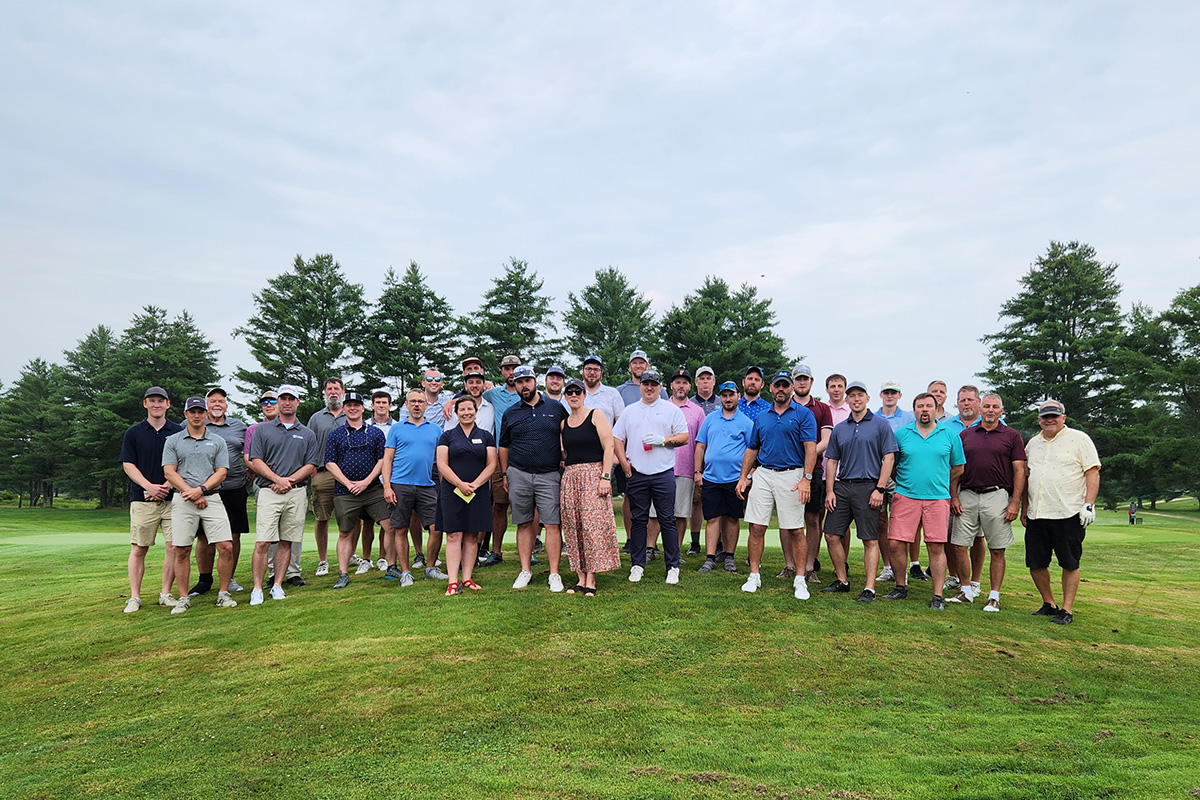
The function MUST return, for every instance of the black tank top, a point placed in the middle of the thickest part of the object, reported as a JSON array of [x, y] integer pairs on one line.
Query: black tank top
[[583, 443]]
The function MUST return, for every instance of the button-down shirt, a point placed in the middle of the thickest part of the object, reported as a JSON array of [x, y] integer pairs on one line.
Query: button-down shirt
[[356, 451], [1057, 488]]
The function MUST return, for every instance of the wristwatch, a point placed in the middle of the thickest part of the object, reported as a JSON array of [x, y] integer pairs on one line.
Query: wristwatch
[[807, 476], [880, 489], [604, 476]]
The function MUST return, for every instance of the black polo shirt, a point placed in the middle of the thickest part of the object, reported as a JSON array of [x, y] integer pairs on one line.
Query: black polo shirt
[[531, 434], [143, 447]]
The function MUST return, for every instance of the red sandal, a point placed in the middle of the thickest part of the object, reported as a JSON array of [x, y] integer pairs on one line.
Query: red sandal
[[472, 585], [453, 589]]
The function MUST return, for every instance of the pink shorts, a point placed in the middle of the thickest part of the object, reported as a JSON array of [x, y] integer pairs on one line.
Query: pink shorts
[[907, 514]]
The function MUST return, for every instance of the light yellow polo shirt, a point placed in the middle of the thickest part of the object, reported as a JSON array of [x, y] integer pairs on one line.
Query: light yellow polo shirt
[[1057, 489]]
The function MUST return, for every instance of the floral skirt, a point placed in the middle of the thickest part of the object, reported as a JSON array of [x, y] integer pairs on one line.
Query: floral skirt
[[588, 527]]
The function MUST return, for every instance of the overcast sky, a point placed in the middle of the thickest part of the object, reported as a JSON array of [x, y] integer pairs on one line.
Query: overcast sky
[[885, 171]]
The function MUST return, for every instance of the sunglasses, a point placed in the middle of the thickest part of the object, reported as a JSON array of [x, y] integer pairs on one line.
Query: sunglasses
[[268, 402], [573, 391], [430, 379]]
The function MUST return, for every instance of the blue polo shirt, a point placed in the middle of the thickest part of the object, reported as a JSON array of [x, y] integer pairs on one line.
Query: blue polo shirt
[[779, 438], [956, 425], [142, 446], [503, 400], [725, 441], [923, 469], [859, 447], [532, 435], [899, 419], [752, 410], [416, 448], [356, 451]]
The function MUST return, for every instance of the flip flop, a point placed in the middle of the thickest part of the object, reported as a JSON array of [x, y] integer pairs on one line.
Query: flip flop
[[452, 589]]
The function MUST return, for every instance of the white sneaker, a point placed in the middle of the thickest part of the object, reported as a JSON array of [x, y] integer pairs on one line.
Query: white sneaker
[[322, 568], [132, 605], [635, 574], [381, 565], [555, 582], [181, 605], [355, 561], [752, 583], [886, 575], [234, 586], [256, 597], [673, 575], [406, 578], [992, 605], [225, 600], [523, 579], [363, 566], [167, 599], [277, 593], [801, 587]]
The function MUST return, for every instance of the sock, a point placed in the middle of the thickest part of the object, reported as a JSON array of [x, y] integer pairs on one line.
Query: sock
[[994, 595], [696, 538], [205, 577], [976, 587], [914, 563]]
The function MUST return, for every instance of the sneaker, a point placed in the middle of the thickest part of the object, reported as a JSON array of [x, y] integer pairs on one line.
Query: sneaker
[[225, 600], [962, 597], [381, 565], [354, 561], [627, 549], [392, 573], [800, 588], [200, 588], [1063, 617], [435, 574], [837, 587], [937, 603], [538, 546], [952, 584], [364, 566], [277, 593], [343, 580], [534, 560], [182, 605], [752, 583], [1047, 610], [899, 593], [167, 599], [523, 579], [234, 586], [492, 559], [730, 564], [886, 575], [811, 577], [296, 581], [673, 575], [322, 568], [992, 605], [406, 578], [708, 565], [419, 561], [786, 574], [916, 573], [555, 582], [635, 574], [651, 553], [867, 596], [256, 597], [132, 605], [694, 550]]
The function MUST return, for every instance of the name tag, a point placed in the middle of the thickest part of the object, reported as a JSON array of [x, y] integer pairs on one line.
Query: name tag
[[477, 441]]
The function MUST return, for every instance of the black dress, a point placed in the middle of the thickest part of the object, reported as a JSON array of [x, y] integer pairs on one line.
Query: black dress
[[468, 458]]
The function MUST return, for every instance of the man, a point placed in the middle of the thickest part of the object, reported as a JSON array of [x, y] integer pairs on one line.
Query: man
[[502, 398], [269, 403], [643, 439], [814, 509], [321, 423], [283, 453], [631, 393], [408, 457], [149, 495], [720, 447], [232, 492], [860, 456], [685, 457], [381, 418], [835, 386], [927, 473], [630, 390], [1059, 502], [968, 407], [940, 392], [596, 395], [530, 452], [705, 397], [989, 497], [784, 440], [556, 379], [752, 403], [897, 417], [433, 382], [195, 461], [354, 456], [890, 410]]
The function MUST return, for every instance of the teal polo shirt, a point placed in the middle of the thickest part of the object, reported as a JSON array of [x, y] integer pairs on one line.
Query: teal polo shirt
[[923, 464]]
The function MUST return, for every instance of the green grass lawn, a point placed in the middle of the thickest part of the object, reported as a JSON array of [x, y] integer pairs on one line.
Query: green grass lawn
[[645, 691]]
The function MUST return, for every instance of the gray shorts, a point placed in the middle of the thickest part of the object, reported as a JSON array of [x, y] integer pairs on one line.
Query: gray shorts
[[528, 490], [853, 502], [350, 508], [983, 516], [409, 498]]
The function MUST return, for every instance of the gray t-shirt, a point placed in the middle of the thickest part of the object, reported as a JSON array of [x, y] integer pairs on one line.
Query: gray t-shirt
[[321, 423], [195, 459], [233, 431], [284, 449]]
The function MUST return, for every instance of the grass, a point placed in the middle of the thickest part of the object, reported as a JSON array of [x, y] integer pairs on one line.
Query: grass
[[645, 691]]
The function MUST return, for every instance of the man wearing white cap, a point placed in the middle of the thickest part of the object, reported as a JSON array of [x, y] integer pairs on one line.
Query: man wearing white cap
[[897, 417]]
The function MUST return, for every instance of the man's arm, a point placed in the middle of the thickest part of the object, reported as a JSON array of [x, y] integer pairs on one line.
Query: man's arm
[[503, 453], [1014, 504], [389, 455], [744, 478], [885, 475], [698, 476], [955, 476], [831, 468], [154, 491], [619, 450], [1091, 481], [822, 442]]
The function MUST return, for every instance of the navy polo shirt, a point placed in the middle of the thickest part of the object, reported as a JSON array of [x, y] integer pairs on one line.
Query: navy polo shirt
[[356, 451], [859, 447], [532, 435], [143, 447], [779, 438]]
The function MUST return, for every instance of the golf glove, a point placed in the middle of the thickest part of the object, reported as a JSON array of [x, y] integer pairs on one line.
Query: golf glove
[[656, 439], [1087, 514]]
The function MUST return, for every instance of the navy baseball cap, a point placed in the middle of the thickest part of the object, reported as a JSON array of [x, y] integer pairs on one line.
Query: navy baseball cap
[[761, 374], [783, 376], [555, 369], [195, 402], [592, 358]]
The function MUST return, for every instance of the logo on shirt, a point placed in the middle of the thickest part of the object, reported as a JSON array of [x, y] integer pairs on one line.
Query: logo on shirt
[[297, 436]]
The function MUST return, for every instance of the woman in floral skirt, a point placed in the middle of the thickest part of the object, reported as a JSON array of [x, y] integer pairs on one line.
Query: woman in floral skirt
[[588, 527]]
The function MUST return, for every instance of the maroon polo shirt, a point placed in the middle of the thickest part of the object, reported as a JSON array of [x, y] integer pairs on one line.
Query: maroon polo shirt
[[989, 456]]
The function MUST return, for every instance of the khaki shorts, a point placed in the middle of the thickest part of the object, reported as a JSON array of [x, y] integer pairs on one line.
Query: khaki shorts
[[186, 519], [773, 489], [145, 517], [983, 515], [322, 495], [281, 516], [499, 494]]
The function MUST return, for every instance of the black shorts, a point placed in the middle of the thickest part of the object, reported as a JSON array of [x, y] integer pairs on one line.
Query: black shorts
[[618, 480], [721, 500], [234, 501], [1062, 537], [816, 501], [853, 503]]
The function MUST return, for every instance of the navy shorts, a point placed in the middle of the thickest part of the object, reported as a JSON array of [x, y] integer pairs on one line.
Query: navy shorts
[[721, 500]]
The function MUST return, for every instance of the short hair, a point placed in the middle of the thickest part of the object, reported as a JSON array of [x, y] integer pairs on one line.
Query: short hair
[[939, 383], [333, 379], [216, 390], [433, 369], [414, 389], [465, 398], [378, 393], [969, 387], [922, 396], [835, 377], [993, 394]]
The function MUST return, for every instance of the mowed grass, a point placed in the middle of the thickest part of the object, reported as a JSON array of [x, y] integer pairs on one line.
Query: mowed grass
[[645, 691]]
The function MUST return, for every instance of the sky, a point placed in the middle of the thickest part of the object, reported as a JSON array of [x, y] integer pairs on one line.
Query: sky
[[885, 172]]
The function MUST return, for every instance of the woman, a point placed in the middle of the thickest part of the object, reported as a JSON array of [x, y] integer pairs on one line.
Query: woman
[[588, 526], [466, 459]]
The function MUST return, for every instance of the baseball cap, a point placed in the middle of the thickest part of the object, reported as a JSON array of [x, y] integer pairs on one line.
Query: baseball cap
[[1052, 408], [592, 358], [681, 373], [801, 369], [727, 386], [268, 395], [651, 376], [555, 369], [638, 354], [761, 374], [353, 397], [216, 390], [288, 388], [783, 376], [156, 391], [474, 374], [195, 402], [510, 361], [574, 383], [523, 371], [471, 360], [857, 385], [890, 386], [703, 370]]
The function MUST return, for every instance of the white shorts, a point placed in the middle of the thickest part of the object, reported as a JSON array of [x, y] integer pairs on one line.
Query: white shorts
[[186, 519], [770, 491]]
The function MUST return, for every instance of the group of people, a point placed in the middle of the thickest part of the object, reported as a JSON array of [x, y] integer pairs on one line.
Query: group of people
[[679, 450]]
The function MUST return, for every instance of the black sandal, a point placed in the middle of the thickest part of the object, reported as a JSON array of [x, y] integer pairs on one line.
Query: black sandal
[[588, 591], [575, 589]]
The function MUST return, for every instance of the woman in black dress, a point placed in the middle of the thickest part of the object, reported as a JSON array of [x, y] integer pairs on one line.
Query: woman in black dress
[[466, 459]]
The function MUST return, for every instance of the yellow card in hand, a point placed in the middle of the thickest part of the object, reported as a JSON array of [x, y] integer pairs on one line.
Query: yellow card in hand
[[466, 497]]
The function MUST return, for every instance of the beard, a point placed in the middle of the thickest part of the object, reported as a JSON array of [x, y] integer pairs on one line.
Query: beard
[[333, 403]]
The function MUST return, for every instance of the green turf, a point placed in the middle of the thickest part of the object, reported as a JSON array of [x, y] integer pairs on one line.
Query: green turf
[[644, 691]]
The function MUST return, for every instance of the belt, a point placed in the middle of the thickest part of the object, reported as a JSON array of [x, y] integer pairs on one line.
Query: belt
[[857, 480], [779, 469], [982, 489]]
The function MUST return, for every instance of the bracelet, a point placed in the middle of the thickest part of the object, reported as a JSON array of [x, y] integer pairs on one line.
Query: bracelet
[[604, 476]]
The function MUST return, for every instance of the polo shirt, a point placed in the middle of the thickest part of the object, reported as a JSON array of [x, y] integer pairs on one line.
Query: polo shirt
[[752, 410], [1057, 489], [839, 413], [532, 434], [725, 440], [779, 438], [708, 406], [249, 437], [990, 456], [142, 446], [859, 447], [685, 457], [607, 400], [321, 423], [502, 400], [955, 423], [195, 459], [387, 426], [415, 449], [899, 419], [284, 449], [662, 417], [923, 468], [631, 392], [819, 410], [356, 451], [233, 431]]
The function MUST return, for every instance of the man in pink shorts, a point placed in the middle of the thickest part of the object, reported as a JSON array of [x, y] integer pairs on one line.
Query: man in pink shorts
[[928, 466]]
